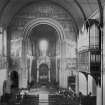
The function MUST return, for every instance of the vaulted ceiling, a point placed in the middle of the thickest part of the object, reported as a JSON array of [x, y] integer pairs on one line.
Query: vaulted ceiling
[[44, 31], [80, 10]]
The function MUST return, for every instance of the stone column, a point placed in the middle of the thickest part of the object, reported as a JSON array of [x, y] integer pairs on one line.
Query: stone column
[[37, 75], [99, 95], [5, 42], [61, 64], [56, 71], [77, 82], [87, 83], [25, 68], [49, 75], [93, 87], [31, 60], [24, 78]]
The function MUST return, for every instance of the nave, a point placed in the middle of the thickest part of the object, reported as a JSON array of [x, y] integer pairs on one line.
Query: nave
[[56, 43], [47, 96]]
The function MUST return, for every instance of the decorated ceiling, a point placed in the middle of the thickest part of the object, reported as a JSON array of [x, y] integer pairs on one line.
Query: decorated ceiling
[[79, 10]]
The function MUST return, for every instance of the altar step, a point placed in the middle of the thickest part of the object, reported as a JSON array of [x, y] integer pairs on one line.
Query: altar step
[[43, 99]]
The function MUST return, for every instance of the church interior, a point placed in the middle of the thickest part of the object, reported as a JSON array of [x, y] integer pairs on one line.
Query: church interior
[[52, 52]]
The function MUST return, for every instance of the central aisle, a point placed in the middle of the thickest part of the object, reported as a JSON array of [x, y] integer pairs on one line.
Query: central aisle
[[43, 99], [43, 93], [43, 96]]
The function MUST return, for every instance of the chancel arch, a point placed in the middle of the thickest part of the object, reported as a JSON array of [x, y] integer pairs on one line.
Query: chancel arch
[[45, 30]]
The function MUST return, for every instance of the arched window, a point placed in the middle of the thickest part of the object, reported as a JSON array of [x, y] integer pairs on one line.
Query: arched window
[[43, 46]]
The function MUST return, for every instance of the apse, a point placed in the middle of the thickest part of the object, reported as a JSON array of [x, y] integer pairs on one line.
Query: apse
[[41, 46], [44, 38]]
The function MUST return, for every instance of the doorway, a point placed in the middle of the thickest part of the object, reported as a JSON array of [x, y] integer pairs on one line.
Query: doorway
[[14, 79]]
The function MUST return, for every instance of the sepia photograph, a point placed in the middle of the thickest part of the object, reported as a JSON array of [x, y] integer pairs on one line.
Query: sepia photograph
[[52, 52]]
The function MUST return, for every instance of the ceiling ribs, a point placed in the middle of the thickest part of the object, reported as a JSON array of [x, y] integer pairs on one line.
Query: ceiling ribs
[[73, 19], [3, 8], [59, 4], [80, 7], [101, 12]]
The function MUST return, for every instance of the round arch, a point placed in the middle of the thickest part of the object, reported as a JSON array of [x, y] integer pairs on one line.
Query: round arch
[[32, 24], [82, 83], [26, 33], [53, 23]]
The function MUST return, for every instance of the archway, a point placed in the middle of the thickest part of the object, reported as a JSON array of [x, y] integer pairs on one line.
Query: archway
[[82, 83], [14, 79], [87, 84], [50, 31]]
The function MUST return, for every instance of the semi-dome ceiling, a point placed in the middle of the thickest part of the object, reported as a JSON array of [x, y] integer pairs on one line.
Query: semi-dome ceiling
[[80, 10], [44, 31]]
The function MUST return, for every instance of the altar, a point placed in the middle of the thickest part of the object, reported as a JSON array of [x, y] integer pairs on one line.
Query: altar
[[43, 69]]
